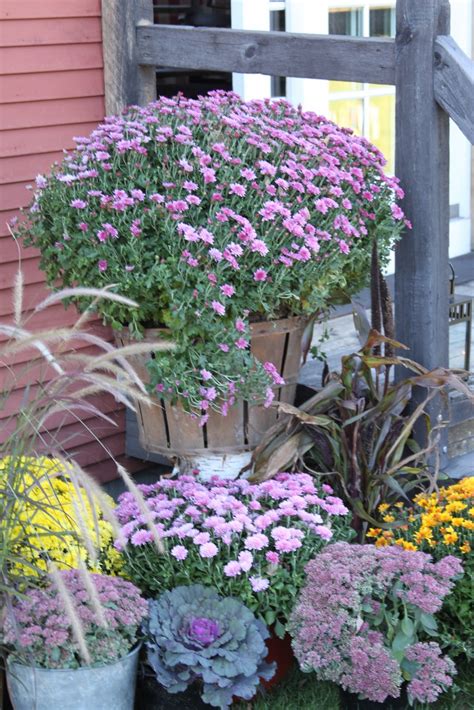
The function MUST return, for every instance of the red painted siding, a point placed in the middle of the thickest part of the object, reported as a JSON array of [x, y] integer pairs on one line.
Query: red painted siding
[[51, 89]]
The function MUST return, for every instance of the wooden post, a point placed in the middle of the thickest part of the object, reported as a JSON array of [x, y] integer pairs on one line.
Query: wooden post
[[126, 82], [422, 164]]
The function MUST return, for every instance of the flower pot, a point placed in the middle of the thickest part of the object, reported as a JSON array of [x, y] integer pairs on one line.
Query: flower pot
[[151, 695], [97, 688], [225, 444], [280, 651]]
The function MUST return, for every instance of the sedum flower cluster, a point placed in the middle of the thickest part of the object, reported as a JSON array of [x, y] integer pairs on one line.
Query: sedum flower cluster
[[247, 541], [55, 521], [210, 213], [40, 632], [194, 634], [360, 617]]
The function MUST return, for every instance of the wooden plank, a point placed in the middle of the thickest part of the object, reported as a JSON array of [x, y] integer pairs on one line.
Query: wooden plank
[[33, 9], [89, 452], [42, 139], [276, 53], [29, 267], [44, 85], [422, 164], [25, 60], [32, 295], [21, 168], [106, 470], [14, 195], [228, 431], [184, 430], [61, 31], [132, 443], [454, 84], [125, 81], [292, 365], [52, 113]]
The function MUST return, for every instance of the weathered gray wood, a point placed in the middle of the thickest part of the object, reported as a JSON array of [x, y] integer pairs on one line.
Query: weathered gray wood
[[277, 53], [132, 442], [126, 82], [454, 84], [422, 164]]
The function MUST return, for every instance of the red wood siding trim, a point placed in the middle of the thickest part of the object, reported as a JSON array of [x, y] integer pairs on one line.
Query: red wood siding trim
[[42, 139], [41, 86], [51, 113], [31, 297], [105, 471], [32, 9], [52, 89], [15, 195], [29, 267], [27, 60], [19, 168], [34, 33]]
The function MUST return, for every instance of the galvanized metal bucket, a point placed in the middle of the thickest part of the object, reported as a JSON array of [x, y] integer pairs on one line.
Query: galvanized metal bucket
[[110, 687]]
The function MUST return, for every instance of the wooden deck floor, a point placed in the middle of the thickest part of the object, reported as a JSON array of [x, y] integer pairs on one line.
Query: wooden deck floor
[[344, 340]]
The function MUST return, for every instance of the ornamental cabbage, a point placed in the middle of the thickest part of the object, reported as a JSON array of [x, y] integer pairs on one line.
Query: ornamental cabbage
[[194, 634]]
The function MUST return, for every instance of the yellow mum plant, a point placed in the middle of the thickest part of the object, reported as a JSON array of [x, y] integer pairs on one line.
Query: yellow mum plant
[[442, 521], [55, 519]]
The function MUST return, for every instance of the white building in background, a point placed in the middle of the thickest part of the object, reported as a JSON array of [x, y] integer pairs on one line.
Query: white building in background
[[367, 108]]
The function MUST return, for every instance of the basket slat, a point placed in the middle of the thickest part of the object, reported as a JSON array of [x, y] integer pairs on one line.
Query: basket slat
[[169, 430], [226, 431]]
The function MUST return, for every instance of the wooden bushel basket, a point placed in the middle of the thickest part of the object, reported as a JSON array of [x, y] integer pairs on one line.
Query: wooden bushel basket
[[172, 432]]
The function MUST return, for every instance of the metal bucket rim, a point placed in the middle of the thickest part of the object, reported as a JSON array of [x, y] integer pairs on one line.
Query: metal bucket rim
[[38, 669]]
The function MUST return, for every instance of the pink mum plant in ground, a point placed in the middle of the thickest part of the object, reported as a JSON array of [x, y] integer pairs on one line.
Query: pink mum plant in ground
[[247, 541]]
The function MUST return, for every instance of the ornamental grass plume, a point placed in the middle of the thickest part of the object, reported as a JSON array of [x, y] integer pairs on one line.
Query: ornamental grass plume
[[51, 511], [362, 615], [221, 212]]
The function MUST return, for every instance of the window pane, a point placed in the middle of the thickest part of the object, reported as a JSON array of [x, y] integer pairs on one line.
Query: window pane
[[345, 21], [277, 20], [278, 83], [278, 87], [347, 113], [381, 125], [382, 22]]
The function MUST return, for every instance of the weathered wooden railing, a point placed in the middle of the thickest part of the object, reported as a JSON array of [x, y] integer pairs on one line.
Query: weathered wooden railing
[[434, 81]]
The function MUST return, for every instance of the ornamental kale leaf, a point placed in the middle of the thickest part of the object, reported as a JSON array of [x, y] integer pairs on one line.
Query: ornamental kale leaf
[[194, 634]]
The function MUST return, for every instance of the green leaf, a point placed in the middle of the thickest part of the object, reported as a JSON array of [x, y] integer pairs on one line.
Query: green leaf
[[280, 630], [395, 486], [270, 617], [428, 621], [407, 626]]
